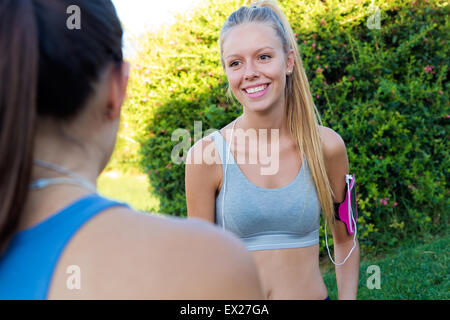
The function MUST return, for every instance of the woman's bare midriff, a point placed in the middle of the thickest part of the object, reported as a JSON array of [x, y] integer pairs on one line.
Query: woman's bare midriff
[[291, 273]]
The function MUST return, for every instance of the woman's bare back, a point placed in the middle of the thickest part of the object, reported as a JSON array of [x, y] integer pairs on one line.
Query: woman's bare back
[[123, 254]]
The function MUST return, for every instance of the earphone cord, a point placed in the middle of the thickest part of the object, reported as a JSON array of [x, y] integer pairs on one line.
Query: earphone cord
[[354, 236], [75, 178], [56, 168], [225, 173]]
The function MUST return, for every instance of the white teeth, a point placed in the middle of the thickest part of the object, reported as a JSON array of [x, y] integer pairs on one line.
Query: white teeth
[[257, 89]]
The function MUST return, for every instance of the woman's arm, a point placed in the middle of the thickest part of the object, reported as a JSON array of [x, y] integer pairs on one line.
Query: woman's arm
[[202, 178], [347, 275], [337, 167]]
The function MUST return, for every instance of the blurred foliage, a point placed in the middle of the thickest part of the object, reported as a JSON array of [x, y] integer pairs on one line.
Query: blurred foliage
[[384, 90]]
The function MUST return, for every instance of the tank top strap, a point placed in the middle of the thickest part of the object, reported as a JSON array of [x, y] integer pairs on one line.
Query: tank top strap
[[223, 149], [27, 266], [67, 220]]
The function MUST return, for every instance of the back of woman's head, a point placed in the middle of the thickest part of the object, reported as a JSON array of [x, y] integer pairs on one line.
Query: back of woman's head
[[46, 69]]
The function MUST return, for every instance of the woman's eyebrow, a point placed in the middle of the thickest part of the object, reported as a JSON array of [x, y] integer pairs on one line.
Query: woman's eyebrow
[[258, 50]]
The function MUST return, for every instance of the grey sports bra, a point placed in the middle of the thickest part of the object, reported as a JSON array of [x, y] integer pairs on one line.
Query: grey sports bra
[[264, 219]]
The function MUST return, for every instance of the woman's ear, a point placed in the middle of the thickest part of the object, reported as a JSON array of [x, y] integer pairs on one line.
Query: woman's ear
[[125, 76], [290, 61], [118, 83]]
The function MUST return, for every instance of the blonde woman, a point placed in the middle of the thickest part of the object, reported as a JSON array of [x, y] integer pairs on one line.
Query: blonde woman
[[276, 214]]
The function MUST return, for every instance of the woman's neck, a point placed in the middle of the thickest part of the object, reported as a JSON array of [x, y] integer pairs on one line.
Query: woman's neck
[[80, 158], [274, 119]]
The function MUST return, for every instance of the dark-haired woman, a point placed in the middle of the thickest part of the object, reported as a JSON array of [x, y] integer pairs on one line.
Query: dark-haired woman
[[61, 93]]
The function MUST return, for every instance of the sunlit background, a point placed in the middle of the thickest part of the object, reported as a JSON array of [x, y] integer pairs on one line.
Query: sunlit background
[[138, 16], [384, 89]]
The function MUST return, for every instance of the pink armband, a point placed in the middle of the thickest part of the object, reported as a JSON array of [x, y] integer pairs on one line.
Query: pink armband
[[347, 211]]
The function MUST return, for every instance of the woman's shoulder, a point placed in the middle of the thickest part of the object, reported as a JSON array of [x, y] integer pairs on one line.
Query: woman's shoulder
[[205, 151], [336, 160], [184, 257], [332, 143], [127, 254], [166, 232], [208, 138]]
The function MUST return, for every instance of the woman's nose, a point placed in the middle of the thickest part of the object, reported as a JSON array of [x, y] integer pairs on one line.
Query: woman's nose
[[251, 73], [251, 76]]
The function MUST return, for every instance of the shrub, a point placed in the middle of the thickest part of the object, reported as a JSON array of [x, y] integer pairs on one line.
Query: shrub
[[385, 91]]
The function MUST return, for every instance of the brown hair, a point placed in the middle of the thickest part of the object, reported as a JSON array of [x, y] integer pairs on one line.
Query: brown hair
[[45, 69]]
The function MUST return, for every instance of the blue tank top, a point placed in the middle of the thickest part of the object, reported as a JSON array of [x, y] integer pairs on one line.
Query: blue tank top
[[265, 219], [27, 265]]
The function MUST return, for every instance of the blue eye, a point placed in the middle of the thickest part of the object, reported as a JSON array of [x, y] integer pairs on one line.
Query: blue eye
[[264, 55], [234, 64]]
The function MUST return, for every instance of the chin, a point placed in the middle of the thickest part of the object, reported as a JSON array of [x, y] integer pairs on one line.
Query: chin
[[262, 106]]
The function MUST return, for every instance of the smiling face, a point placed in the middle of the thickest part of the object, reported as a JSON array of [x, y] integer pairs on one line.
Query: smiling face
[[256, 65]]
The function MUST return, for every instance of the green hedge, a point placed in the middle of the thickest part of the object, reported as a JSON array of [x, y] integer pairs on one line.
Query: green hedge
[[385, 91]]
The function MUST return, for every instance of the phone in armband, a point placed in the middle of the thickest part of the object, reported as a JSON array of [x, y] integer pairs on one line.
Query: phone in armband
[[347, 210]]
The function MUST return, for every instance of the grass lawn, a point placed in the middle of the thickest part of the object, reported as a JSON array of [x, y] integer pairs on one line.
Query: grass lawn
[[413, 271], [131, 188]]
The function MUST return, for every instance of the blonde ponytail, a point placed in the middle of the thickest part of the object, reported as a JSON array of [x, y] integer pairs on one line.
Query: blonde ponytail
[[302, 115]]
